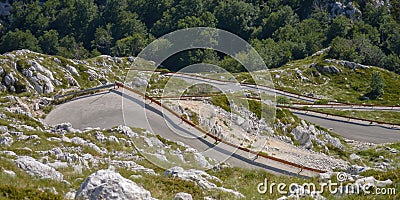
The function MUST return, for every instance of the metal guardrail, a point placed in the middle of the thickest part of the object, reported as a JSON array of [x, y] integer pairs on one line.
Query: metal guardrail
[[258, 154], [277, 91], [84, 91], [353, 118]]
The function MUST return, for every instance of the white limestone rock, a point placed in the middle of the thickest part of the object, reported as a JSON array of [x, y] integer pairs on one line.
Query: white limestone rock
[[108, 184], [183, 196], [38, 169]]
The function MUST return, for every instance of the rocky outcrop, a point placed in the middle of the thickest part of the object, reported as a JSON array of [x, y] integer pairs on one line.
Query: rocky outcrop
[[328, 69], [201, 178], [347, 9], [348, 64], [6, 141], [38, 169], [183, 196], [138, 82], [125, 131], [108, 184], [302, 135], [342, 7], [64, 128], [72, 70]]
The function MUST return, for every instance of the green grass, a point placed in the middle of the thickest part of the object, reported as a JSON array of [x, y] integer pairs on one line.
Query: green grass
[[23, 186], [25, 119], [173, 144], [47, 109], [221, 101], [347, 86], [381, 116]]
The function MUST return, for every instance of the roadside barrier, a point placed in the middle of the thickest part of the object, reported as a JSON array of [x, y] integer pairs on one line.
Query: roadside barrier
[[56, 97], [346, 117], [287, 93], [258, 154]]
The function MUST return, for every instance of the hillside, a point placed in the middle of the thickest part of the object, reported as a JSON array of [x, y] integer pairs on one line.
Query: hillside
[[60, 158], [183, 136], [336, 80]]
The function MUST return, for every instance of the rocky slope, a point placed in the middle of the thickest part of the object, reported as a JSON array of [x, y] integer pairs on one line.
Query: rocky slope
[[39, 161]]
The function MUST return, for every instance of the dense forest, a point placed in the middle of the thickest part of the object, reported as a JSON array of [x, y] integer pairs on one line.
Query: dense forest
[[362, 31]]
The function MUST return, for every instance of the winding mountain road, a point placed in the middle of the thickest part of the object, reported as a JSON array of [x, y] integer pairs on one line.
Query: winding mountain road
[[116, 107], [357, 130]]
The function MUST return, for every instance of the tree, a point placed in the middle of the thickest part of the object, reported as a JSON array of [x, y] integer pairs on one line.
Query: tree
[[128, 24], [207, 19], [28, 16], [69, 48], [237, 17], [395, 9], [344, 49], [339, 28], [103, 39], [377, 85], [49, 42], [19, 40], [393, 63], [129, 46], [284, 16]]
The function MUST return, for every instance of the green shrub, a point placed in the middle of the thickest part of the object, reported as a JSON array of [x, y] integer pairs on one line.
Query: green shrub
[[221, 101], [282, 100], [321, 101]]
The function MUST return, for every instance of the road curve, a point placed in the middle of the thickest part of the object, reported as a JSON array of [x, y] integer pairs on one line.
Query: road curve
[[358, 131], [353, 129], [104, 110]]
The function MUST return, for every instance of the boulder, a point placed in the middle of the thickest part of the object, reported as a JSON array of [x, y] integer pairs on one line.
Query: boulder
[[356, 170], [183, 196], [137, 82], [6, 141], [92, 74], [37, 67], [45, 82], [125, 130], [392, 150], [327, 69], [108, 184], [57, 60], [239, 120], [302, 135], [131, 59], [334, 141], [72, 70], [38, 169], [9, 172], [354, 156], [371, 181], [198, 176], [72, 81], [9, 80], [201, 178], [64, 127]]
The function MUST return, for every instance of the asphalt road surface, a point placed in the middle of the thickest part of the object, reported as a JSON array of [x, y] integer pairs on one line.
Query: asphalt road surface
[[353, 129], [104, 110]]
